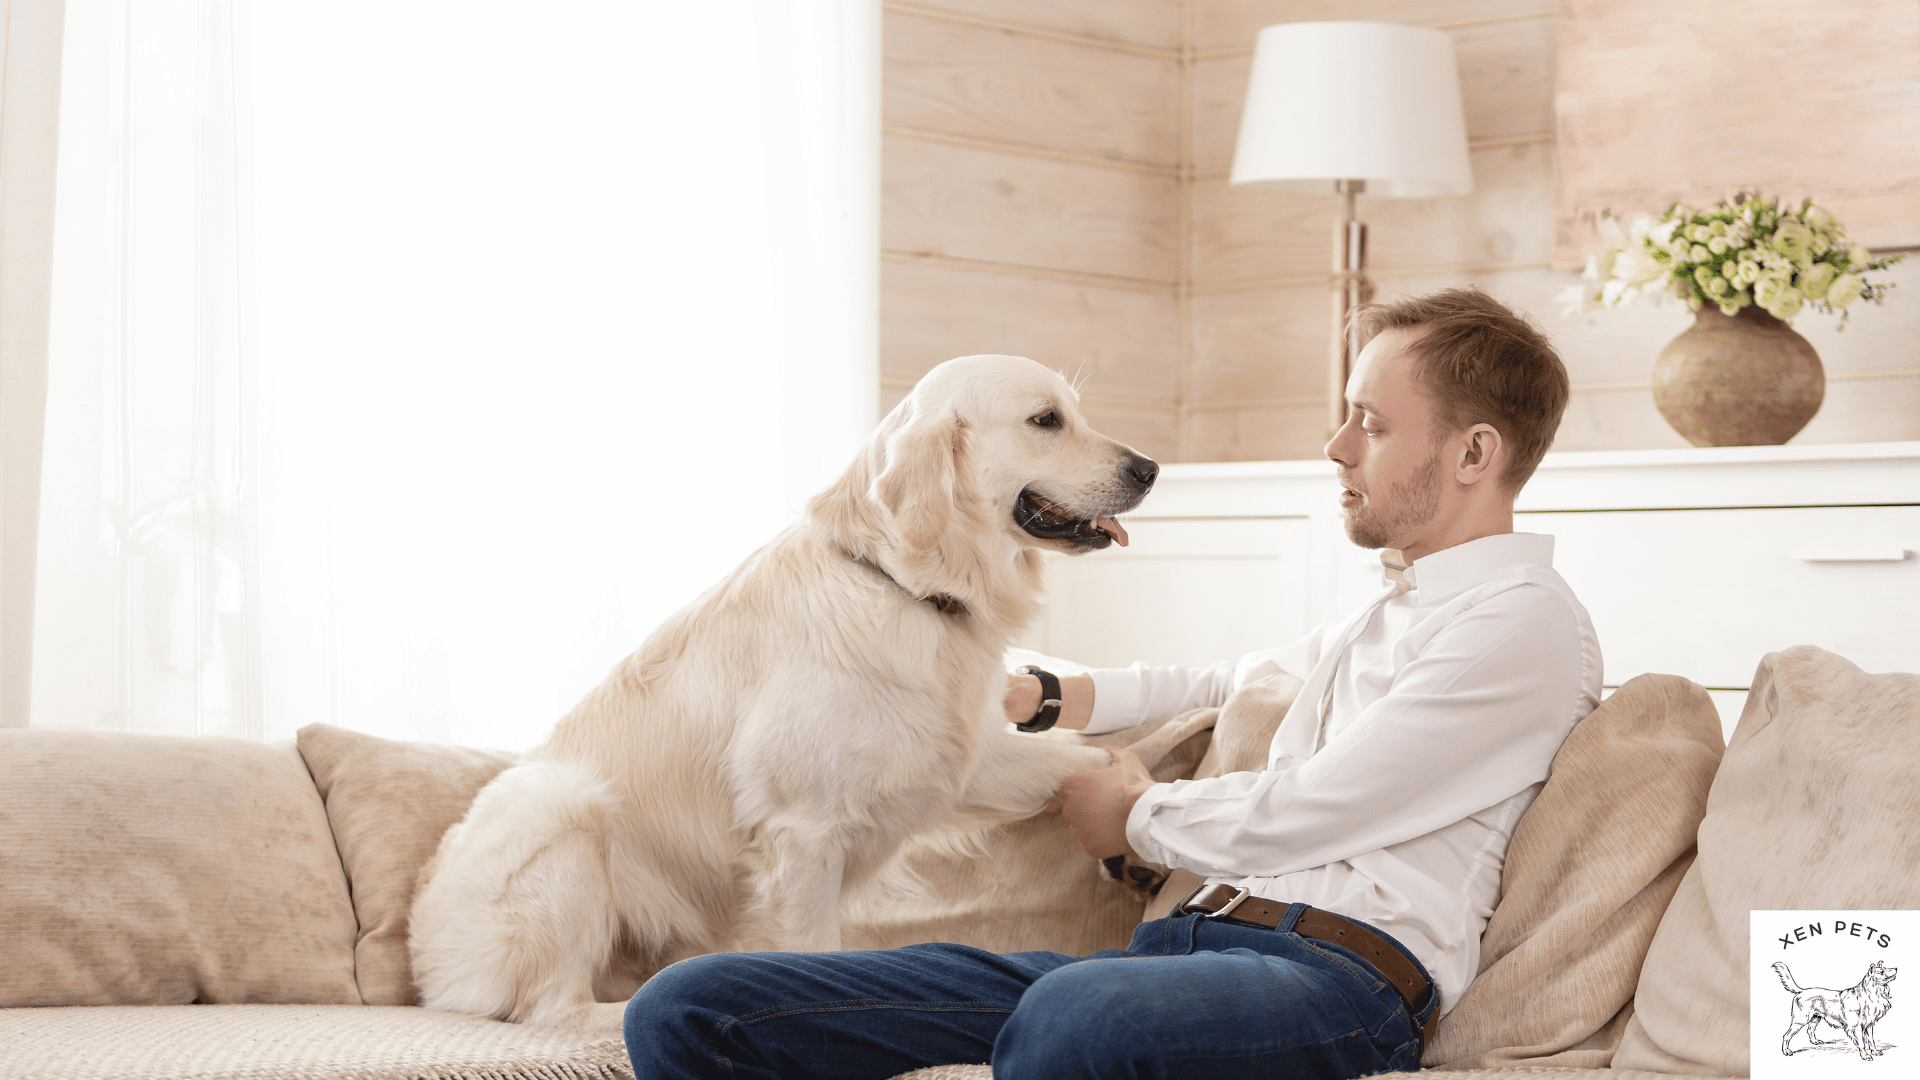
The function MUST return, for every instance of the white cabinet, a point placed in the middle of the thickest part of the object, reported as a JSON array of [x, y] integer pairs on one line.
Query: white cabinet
[[1706, 592], [1692, 562], [1138, 603]]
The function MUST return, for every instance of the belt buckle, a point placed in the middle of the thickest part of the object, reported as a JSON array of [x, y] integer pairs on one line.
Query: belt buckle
[[1240, 894]]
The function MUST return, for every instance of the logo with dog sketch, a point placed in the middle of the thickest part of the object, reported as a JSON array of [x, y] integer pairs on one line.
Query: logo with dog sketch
[[1824, 995]]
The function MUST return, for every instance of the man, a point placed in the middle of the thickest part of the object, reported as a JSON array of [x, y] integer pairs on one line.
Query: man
[[1349, 881]]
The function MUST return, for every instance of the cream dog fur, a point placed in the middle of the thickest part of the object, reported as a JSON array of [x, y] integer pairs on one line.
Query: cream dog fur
[[776, 741]]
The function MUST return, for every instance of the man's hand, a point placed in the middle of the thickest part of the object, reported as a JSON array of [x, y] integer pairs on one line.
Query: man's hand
[[1096, 803]]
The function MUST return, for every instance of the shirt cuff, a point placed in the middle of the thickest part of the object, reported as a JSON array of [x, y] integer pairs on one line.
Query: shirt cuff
[[1137, 818], [1116, 700]]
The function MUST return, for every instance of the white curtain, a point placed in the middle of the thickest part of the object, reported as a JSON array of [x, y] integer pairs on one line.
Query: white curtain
[[411, 360], [29, 108]]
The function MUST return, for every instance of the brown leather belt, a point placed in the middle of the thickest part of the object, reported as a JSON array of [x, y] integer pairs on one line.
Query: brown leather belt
[[1235, 905]]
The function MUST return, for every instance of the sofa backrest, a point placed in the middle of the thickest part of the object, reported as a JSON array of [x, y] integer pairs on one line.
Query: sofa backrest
[[161, 870], [1814, 808]]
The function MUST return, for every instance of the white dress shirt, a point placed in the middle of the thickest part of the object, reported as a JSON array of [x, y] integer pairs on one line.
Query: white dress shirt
[[1444, 705]]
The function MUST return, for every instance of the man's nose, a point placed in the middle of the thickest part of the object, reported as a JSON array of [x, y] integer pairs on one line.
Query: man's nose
[[1333, 450]]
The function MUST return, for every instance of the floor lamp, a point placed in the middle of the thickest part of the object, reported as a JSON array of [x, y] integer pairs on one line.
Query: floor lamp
[[1352, 108]]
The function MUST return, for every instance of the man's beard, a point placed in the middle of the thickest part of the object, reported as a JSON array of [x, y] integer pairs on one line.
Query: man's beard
[[1413, 503]]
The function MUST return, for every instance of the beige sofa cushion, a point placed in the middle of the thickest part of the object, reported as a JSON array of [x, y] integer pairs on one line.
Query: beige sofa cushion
[[390, 802], [1589, 871], [294, 1042], [158, 870], [1813, 808]]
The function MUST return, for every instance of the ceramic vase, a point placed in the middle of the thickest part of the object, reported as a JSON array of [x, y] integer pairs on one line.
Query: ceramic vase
[[1738, 380]]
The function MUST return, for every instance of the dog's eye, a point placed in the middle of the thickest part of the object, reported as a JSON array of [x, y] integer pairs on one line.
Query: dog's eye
[[1048, 419]]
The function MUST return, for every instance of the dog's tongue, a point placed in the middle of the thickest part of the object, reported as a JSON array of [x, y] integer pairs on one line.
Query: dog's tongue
[[1112, 528]]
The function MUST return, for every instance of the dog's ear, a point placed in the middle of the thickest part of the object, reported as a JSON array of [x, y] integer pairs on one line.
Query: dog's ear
[[920, 482]]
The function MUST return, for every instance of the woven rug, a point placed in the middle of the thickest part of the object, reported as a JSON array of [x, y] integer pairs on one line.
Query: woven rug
[[292, 1042]]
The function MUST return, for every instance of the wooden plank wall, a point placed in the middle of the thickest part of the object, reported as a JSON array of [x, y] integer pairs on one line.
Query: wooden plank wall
[[1055, 185], [1624, 142], [1031, 176]]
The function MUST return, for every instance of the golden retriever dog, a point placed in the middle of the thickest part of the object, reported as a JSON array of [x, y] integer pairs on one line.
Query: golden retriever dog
[[1854, 1010], [776, 741]]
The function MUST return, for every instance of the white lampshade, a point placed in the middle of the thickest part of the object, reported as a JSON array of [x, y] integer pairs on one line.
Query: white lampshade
[[1378, 102]]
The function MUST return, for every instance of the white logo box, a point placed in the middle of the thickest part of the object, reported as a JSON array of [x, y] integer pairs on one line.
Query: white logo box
[[1831, 956]]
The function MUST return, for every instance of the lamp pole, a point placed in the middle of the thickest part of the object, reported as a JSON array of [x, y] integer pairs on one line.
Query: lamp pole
[[1351, 288]]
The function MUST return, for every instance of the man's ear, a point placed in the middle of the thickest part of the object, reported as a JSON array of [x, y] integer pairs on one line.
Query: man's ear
[[921, 480], [1482, 454]]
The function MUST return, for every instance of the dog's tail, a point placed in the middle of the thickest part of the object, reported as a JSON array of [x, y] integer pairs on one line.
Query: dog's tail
[[1786, 978]]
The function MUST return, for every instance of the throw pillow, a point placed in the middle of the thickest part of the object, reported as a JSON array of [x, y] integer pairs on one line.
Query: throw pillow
[[1813, 807], [1591, 867], [160, 870], [390, 802]]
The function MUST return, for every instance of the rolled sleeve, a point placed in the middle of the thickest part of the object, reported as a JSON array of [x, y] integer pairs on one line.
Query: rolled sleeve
[[1126, 697]]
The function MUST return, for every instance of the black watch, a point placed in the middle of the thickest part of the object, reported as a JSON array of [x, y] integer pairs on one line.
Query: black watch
[[1049, 713]]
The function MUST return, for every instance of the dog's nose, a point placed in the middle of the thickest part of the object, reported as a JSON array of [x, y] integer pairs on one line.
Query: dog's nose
[[1144, 470]]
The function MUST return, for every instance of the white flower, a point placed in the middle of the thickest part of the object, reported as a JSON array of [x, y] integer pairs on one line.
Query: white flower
[[1816, 279], [1792, 239], [1786, 304], [1577, 300], [1769, 285], [1749, 251], [1729, 308], [1636, 266], [1844, 290], [1611, 233]]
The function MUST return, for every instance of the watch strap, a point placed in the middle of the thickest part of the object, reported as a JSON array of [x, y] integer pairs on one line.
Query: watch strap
[[1049, 713]]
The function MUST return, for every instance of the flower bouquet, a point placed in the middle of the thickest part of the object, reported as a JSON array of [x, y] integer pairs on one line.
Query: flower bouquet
[[1749, 251]]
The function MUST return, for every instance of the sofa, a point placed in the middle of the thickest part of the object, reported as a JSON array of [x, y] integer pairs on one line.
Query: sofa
[[213, 908]]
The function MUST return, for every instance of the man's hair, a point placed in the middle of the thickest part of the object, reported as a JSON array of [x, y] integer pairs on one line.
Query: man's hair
[[1482, 364]]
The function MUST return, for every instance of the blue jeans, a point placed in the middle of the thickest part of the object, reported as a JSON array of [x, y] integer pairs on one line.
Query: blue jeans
[[1188, 997]]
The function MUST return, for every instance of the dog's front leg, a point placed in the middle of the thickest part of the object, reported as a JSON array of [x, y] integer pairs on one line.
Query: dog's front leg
[[797, 887], [1018, 774]]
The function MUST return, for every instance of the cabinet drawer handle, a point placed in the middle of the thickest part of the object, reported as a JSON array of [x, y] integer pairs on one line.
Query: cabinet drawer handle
[[1872, 554]]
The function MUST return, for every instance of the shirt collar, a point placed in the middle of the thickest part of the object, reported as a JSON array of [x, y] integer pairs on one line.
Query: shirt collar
[[1462, 566]]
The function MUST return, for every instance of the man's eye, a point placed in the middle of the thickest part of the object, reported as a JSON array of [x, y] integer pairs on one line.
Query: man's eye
[[1048, 419]]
